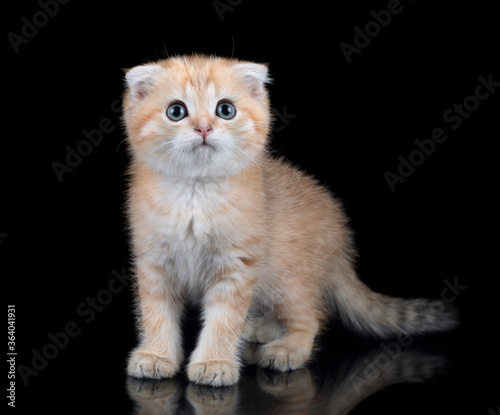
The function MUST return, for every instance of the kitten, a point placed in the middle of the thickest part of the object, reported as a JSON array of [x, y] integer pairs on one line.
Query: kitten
[[263, 248]]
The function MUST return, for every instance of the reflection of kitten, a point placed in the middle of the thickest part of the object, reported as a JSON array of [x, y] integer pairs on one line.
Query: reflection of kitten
[[348, 381], [262, 247]]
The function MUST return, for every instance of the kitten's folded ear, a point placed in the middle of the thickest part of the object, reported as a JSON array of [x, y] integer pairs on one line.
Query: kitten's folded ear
[[141, 79], [255, 75]]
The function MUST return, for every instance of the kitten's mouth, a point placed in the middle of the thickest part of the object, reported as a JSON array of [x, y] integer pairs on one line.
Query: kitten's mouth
[[204, 145]]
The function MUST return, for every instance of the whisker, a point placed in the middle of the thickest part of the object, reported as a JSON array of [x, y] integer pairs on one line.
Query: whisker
[[160, 145], [119, 144], [249, 158]]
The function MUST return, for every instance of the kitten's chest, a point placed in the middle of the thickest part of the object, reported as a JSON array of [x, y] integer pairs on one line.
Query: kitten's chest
[[195, 211], [192, 221], [193, 233]]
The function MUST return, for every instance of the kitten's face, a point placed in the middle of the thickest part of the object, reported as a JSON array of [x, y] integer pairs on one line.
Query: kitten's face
[[197, 117]]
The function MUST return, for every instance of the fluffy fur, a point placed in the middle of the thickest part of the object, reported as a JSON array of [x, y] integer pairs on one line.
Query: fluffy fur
[[262, 247]]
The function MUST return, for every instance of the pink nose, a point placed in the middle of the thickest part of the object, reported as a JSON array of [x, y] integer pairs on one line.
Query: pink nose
[[203, 130]]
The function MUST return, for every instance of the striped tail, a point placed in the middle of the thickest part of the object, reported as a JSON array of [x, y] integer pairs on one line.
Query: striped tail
[[367, 312]]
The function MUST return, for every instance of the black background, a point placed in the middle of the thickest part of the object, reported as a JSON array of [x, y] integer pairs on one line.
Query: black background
[[347, 125]]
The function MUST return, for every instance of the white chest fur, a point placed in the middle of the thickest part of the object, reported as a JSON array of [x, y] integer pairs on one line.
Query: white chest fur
[[192, 230]]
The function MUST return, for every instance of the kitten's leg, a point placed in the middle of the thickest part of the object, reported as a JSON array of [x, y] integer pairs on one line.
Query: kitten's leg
[[159, 353], [215, 362], [262, 330], [293, 350]]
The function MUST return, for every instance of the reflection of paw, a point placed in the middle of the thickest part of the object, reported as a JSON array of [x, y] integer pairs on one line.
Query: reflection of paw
[[148, 365], [207, 397], [213, 372], [142, 390], [287, 383], [154, 396], [279, 357]]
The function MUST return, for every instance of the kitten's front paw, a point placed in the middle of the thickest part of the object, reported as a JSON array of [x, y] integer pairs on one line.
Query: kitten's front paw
[[214, 372], [280, 357], [149, 365]]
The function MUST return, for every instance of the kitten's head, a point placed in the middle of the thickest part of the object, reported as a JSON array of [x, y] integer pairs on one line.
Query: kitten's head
[[197, 116]]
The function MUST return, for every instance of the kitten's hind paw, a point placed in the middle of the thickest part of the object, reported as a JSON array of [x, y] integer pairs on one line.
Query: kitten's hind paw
[[214, 372], [151, 366], [277, 356]]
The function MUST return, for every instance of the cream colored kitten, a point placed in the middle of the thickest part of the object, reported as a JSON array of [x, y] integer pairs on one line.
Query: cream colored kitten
[[262, 247]]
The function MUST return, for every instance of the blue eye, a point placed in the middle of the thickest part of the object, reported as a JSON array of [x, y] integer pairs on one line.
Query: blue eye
[[177, 112], [225, 110]]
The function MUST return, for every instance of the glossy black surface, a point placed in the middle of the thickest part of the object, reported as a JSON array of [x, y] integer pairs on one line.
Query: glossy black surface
[[335, 384]]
